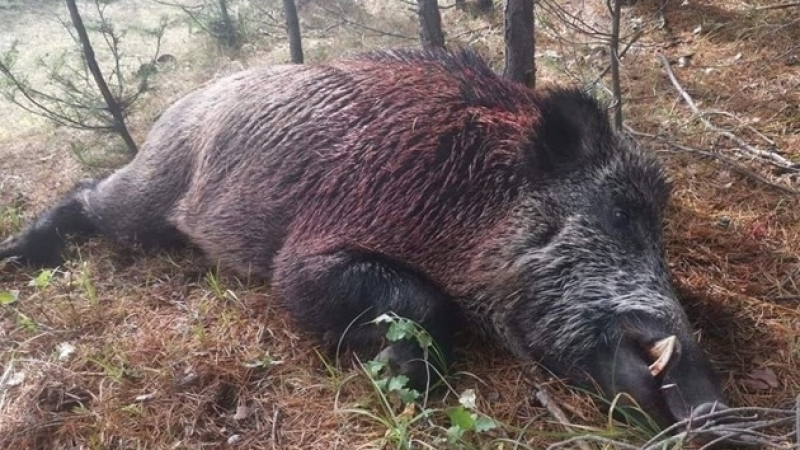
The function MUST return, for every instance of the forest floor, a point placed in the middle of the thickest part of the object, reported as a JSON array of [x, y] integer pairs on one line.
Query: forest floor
[[127, 349]]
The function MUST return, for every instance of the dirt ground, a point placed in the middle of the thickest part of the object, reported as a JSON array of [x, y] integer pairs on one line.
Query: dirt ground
[[129, 349]]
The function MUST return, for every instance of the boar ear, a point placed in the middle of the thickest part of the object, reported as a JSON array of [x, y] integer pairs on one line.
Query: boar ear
[[573, 129]]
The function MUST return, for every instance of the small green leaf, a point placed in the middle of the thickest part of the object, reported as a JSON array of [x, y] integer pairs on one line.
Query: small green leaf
[[424, 339], [408, 395], [26, 322], [454, 434], [381, 384], [8, 297], [398, 382], [484, 423], [400, 330], [461, 417], [374, 368], [42, 280]]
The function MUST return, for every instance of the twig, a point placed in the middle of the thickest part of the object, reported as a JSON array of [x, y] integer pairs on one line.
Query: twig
[[778, 6], [733, 116], [776, 159], [581, 441], [733, 165], [665, 433], [738, 426], [274, 433], [469, 31], [546, 400], [797, 421], [347, 21], [634, 38]]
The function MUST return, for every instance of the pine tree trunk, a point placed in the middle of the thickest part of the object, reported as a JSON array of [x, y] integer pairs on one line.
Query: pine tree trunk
[[231, 34], [111, 103], [430, 24], [293, 28], [519, 41]]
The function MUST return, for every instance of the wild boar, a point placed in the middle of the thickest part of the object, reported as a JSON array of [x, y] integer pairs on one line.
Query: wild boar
[[416, 182]]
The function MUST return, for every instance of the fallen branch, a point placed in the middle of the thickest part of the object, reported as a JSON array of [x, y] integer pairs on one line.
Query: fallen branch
[[736, 426], [546, 401], [744, 147], [778, 6], [733, 165]]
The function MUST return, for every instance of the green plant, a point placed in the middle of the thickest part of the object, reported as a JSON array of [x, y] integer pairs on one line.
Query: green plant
[[401, 409], [400, 328], [43, 280], [112, 369], [397, 411], [11, 219], [8, 300], [465, 418], [8, 297], [26, 322], [86, 284], [214, 283], [335, 374]]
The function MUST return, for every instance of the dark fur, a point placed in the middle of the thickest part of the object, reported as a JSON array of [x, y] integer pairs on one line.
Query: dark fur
[[417, 182]]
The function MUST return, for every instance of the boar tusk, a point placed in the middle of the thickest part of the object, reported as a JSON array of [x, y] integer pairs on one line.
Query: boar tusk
[[662, 352]]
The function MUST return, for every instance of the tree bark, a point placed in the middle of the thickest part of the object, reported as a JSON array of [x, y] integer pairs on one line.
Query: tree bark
[[231, 33], [519, 41], [293, 29], [614, 47], [430, 24], [111, 103], [484, 6]]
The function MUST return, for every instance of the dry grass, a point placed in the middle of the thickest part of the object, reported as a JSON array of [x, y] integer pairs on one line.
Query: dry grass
[[170, 354]]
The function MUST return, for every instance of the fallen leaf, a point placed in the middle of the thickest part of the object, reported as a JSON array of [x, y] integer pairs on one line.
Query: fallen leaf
[[145, 397], [65, 350], [16, 378], [242, 412], [761, 380]]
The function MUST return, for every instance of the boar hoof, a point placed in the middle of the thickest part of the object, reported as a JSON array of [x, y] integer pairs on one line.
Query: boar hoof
[[407, 358]]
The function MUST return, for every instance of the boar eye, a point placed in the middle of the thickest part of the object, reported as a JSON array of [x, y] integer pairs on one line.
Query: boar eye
[[620, 218]]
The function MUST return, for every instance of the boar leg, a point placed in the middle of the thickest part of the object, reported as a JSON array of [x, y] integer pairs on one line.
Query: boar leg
[[126, 207], [42, 242], [337, 295]]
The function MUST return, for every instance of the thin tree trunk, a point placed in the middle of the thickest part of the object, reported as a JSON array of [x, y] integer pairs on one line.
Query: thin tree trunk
[[231, 34], [111, 102], [293, 28], [520, 41], [484, 6], [430, 24], [614, 44]]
